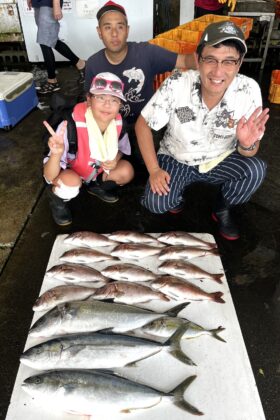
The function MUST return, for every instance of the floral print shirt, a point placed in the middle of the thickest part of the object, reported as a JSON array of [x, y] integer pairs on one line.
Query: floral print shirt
[[195, 134]]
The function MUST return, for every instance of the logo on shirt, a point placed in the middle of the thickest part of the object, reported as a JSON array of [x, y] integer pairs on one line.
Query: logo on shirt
[[185, 114], [224, 119], [136, 75]]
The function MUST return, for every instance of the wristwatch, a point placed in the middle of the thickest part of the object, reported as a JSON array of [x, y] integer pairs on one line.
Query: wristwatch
[[248, 149]]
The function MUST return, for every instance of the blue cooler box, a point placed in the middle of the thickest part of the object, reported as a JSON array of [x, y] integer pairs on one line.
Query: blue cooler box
[[17, 97]]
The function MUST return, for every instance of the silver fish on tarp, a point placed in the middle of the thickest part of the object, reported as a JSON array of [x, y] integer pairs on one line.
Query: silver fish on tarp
[[61, 294], [128, 272], [76, 273], [187, 270], [130, 293], [88, 239], [181, 252], [184, 238], [85, 256], [135, 251], [91, 315], [127, 236], [84, 392], [99, 351], [165, 327], [179, 289]]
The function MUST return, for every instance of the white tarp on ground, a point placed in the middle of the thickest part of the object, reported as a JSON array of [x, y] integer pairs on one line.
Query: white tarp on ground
[[225, 387]]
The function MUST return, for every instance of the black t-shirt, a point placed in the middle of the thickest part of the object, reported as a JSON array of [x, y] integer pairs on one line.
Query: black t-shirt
[[142, 62], [43, 3]]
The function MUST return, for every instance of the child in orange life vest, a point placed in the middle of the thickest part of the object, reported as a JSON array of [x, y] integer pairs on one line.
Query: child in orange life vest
[[101, 143]]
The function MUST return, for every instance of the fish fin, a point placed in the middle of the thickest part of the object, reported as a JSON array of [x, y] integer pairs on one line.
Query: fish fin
[[174, 343], [176, 309], [165, 298], [215, 333], [106, 331], [217, 277], [105, 371], [179, 400], [75, 349], [178, 354], [217, 297], [132, 364]]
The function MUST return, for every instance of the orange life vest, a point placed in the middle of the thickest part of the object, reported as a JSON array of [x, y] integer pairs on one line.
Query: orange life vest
[[87, 167]]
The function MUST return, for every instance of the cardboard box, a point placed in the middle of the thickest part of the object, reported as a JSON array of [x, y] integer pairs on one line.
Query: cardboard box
[[17, 97]]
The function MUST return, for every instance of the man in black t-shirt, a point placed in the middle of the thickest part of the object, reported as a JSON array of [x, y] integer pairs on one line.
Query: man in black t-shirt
[[135, 63]]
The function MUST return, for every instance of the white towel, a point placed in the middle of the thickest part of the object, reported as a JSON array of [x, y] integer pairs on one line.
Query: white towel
[[205, 167], [103, 147]]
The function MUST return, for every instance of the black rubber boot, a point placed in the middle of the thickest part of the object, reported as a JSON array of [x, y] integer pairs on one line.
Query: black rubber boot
[[103, 190], [60, 211], [226, 224]]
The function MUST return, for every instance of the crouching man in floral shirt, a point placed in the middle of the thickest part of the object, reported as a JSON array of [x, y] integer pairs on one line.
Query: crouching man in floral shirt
[[214, 123]]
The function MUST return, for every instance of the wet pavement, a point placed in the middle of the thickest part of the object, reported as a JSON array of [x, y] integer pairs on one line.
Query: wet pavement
[[251, 264]]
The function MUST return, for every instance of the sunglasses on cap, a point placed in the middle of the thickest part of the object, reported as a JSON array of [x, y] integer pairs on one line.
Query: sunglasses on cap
[[103, 84]]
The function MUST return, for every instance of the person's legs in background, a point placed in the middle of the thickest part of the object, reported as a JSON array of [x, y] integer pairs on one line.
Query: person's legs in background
[[47, 37]]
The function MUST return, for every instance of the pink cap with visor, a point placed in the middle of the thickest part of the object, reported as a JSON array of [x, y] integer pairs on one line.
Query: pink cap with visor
[[107, 84]]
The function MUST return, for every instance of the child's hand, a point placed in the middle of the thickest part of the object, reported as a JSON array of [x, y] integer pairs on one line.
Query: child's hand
[[56, 141], [109, 165]]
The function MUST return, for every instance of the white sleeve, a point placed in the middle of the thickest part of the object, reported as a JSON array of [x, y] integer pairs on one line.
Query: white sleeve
[[158, 110]]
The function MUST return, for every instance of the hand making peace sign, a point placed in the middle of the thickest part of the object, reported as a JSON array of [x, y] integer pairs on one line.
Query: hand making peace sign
[[56, 141]]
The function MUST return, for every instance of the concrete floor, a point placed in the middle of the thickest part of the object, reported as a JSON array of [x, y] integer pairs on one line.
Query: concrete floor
[[28, 232]]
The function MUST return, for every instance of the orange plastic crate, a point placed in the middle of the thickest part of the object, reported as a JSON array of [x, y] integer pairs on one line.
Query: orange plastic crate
[[245, 24], [180, 47], [159, 78], [191, 32], [274, 88]]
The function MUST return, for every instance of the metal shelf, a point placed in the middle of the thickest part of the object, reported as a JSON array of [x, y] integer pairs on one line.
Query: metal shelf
[[261, 16]]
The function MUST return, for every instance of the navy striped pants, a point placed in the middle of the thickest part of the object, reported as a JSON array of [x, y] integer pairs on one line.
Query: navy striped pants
[[238, 176]]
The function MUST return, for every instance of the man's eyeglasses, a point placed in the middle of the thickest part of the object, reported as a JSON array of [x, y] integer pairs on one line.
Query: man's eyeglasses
[[103, 99], [228, 63], [113, 85]]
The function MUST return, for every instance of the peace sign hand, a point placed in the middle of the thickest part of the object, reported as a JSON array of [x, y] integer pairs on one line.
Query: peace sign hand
[[56, 141], [249, 131]]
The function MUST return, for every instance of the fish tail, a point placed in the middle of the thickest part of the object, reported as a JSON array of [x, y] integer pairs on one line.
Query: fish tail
[[174, 343], [218, 278], [215, 333], [212, 245], [176, 309], [215, 251], [179, 400], [217, 297]]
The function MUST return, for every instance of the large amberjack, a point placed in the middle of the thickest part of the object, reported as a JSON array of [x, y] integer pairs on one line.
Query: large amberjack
[[85, 392], [99, 351], [90, 316]]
